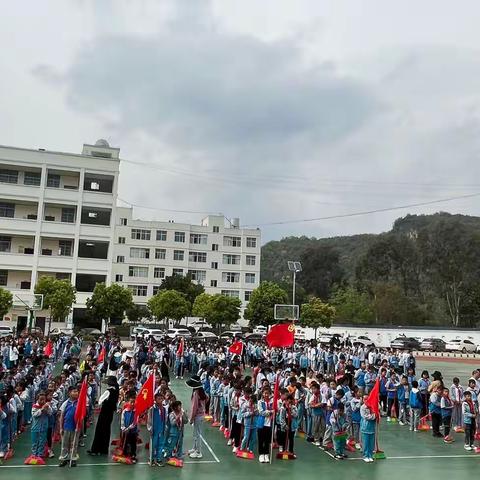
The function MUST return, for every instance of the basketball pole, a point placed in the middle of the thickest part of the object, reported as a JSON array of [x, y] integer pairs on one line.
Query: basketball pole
[[293, 293]]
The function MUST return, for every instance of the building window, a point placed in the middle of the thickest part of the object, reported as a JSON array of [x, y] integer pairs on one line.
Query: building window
[[158, 272], [180, 237], [68, 215], [5, 243], [232, 241], [7, 210], [214, 247], [249, 278], [53, 180], [160, 253], [215, 265], [216, 229], [248, 294], [65, 248], [156, 289], [231, 293], [251, 260], [139, 252], [141, 272], [251, 242], [32, 178], [119, 277], [138, 290], [199, 276], [231, 259], [213, 283], [140, 234], [120, 259], [230, 277], [121, 240], [123, 222], [8, 176], [178, 255], [162, 235], [3, 278], [177, 271], [198, 238], [197, 257]]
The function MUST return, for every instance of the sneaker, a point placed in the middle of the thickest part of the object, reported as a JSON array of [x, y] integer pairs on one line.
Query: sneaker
[[280, 449], [266, 459], [229, 443], [366, 460], [261, 458], [63, 463], [51, 454], [192, 450], [338, 456], [389, 419], [235, 449], [370, 460], [317, 444], [401, 423], [2, 454], [467, 447], [199, 455], [358, 446], [415, 430]]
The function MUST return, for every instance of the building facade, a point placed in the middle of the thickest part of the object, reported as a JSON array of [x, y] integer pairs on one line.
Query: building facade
[[58, 217]]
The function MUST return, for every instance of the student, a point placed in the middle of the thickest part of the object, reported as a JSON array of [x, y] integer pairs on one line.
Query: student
[[264, 426], [235, 419], [156, 425], [435, 410], [415, 404], [456, 394], [446, 405], [332, 404], [250, 418], [469, 411], [199, 407], [403, 394], [288, 423], [367, 429], [40, 416], [392, 400], [355, 405], [176, 425], [317, 413], [338, 421], [423, 385], [129, 428], [67, 429]]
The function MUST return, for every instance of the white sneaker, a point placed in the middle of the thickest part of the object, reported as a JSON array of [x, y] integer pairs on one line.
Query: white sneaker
[[235, 449], [317, 444], [266, 459], [389, 419], [467, 447], [199, 455], [280, 449], [358, 446], [370, 460], [366, 460], [229, 443], [2, 454], [192, 450], [261, 458], [401, 423]]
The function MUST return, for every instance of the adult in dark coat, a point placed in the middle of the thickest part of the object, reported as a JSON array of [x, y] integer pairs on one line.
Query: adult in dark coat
[[108, 400]]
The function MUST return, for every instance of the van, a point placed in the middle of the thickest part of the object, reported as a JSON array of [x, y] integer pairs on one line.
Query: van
[[6, 330]]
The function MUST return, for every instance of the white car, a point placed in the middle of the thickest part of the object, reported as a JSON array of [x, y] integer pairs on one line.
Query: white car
[[138, 332], [199, 324], [6, 330], [61, 331], [260, 329], [154, 333], [362, 340], [464, 346], [179, 332], [206, 336]]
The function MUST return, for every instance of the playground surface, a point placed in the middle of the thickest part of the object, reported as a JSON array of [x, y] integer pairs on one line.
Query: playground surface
[[408, 454]]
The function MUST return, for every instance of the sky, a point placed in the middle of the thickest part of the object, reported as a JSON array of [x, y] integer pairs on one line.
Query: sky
[[273, 111]]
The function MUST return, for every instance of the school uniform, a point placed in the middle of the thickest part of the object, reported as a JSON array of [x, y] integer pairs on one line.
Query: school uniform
[[339, 426], [392, 403], [174, 443], [288, 426], [436, 413], [156, 425], [249, 417], [403, 394], [129, 429], [40, 416], [355, 404], [423, 385], [456, 394], [446, 406], [415, 404], [264, 426], [69, 439]]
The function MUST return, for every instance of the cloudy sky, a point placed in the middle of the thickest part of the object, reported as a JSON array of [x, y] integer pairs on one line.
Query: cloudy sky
[[271, 111]]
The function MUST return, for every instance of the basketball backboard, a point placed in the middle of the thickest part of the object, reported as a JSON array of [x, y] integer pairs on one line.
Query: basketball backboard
[[28, 301], [286, 312]]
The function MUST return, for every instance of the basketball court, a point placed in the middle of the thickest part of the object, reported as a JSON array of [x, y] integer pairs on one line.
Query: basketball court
[[409, 454]]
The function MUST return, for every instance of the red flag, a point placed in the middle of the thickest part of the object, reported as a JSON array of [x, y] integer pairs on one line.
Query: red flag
[[181, 347], [236, 348], [281, 335], [101, 355], [276, 393], [48, 350], [144, 398], [81, 410], [373, 399]]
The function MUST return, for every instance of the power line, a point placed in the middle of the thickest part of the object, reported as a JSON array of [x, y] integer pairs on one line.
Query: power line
[[168, 209], [365, 212]]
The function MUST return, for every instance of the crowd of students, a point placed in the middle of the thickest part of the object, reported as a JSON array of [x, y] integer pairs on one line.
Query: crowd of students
[[259, 399]]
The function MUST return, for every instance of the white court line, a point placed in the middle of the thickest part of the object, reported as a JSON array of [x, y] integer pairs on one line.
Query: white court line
[[420, 457], [209, 449], [105, 464]]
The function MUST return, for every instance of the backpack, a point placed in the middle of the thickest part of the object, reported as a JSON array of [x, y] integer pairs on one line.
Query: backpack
[[415, 400]]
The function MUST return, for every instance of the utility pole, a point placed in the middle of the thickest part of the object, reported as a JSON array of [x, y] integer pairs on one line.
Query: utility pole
[[294, 267]]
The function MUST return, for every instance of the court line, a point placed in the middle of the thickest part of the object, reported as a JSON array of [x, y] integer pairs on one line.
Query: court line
[[209, 449], [105, 464], [420, 457]]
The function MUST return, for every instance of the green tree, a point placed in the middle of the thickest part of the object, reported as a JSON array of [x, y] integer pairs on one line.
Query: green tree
[[58, 296], [352, 306], [6, 301], [224, 311], [169, 304], [202, 306], [183, 284], [260, 309], [316, 314], [136, 313], [109, 303]]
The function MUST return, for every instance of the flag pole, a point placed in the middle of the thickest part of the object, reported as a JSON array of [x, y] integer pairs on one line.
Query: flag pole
[[153, 406]]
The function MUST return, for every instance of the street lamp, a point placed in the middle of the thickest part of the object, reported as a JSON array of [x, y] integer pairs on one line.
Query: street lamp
[[294, 267]]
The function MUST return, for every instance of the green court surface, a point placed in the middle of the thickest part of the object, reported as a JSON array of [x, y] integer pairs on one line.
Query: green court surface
[[409, 455]]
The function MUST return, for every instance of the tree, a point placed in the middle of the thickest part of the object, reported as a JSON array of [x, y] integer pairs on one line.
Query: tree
[[316, 314], [135, 313], [169, 304], [352, 306], [260, 309], [224, 310], [109, 303], [58, 296], [202, 306], [183, 284], [6, 301]]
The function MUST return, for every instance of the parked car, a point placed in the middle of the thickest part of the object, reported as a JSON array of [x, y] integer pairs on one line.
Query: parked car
[[464, 346], [363, 341], [260, 329], [405, 343], [179, 332], [5, 331], [205, 335], [229, 335], [199, 325], [433, 345], [94, 332], [156, 333], [254, 337], [138, 332], [61, 331], [329, 339]]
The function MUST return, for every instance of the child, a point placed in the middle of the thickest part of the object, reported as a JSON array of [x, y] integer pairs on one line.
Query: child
[[288, 423], [456, 394], [403, 394], [423, 385], [40, 416], [264, 426], [392, 403], [338, 421], [332, 405], [317, 412], [415, 403], [249, 416], [129, 429], [446, 405], [67, 429], [176, 424], [367, 428], [156, 425], [436, 411], [469, 411], [355, 405]]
